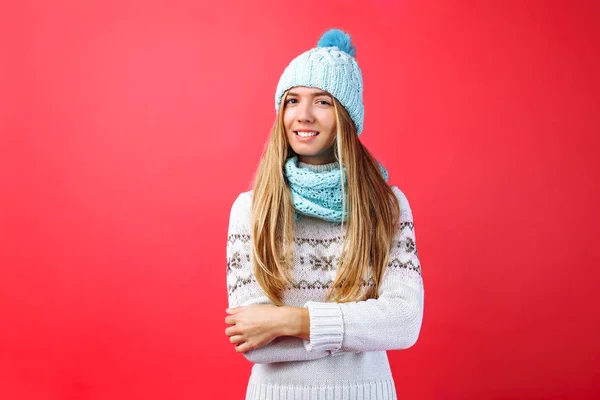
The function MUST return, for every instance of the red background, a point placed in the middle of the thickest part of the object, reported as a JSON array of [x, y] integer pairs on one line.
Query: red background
[[128, 129]]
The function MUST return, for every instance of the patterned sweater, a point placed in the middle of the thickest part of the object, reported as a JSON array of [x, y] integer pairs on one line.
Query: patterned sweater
[[345, 357]]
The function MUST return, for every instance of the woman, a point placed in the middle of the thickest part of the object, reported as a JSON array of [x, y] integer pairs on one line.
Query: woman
[[323, 277]]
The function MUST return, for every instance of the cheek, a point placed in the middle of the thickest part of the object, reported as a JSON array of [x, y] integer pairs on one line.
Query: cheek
[[288, 117], [331, 120], [331, 138], [332, 126], [287, 122], [287, 126]]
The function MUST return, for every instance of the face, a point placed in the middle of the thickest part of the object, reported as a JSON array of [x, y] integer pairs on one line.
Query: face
[[309, 121]]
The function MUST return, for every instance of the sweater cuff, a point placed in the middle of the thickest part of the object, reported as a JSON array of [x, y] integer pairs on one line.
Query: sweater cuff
[[326, 326]]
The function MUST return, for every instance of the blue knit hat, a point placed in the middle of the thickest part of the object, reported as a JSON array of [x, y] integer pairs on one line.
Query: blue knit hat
[[330, 66]]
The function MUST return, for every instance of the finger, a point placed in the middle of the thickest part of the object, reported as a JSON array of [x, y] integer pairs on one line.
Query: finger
[[242, 348], [234, 310], [236, 339], [230, 331], [230, 319]]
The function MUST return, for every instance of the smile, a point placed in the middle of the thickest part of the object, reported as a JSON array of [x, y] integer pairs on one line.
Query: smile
[[306, 133]]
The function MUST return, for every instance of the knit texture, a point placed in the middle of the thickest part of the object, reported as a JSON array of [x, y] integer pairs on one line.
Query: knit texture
[[331, 69], [317, 191], [345, 357]]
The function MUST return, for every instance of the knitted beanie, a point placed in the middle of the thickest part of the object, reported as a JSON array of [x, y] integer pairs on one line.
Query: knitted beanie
[[332, 67]]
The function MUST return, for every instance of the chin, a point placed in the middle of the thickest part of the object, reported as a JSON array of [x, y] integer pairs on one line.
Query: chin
[[305, 154]]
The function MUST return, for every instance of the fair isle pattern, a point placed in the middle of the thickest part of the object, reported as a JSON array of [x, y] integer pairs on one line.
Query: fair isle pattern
[[347, 350], [325, 263]]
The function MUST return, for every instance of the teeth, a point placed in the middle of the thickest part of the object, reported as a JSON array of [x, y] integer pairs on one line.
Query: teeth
[[306, 134]]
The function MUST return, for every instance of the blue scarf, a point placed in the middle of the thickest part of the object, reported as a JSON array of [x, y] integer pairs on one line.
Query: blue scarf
[[317, 192]]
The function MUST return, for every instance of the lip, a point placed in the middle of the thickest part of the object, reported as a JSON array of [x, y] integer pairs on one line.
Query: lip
[[305, 139]]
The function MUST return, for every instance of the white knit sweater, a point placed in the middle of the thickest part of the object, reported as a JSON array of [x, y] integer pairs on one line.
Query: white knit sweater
[[346, 356]]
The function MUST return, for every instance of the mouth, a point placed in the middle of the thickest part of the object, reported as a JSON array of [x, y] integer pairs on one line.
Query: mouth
[[306, 134]]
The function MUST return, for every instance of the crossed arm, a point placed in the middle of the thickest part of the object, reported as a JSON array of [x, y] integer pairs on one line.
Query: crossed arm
[[257, 325], [266, 333]]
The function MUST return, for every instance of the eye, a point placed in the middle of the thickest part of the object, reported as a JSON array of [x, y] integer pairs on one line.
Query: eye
[[289, 101], [324, 102]]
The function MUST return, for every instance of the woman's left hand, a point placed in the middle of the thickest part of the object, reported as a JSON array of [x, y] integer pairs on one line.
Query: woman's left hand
[[254, 326]]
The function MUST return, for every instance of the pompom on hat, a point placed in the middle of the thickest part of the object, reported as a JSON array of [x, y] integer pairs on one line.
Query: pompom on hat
[[332, 67]]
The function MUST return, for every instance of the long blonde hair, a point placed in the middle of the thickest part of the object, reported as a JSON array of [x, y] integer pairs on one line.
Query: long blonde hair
[[373, 214]]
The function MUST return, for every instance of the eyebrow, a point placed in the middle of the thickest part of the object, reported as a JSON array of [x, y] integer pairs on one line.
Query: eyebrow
[[315, 94]]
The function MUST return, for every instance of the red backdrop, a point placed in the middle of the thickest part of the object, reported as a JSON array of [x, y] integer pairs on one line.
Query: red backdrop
[[128, 129]]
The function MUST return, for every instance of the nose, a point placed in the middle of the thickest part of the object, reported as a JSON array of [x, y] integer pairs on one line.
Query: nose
[[305, 112]]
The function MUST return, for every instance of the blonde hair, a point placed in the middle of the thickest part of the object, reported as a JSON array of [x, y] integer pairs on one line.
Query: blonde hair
[[372, 209]]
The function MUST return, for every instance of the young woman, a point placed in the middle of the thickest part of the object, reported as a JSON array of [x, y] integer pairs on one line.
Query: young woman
[[322, 269]]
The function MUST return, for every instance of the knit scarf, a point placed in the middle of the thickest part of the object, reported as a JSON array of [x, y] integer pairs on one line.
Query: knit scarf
[[317, 191]]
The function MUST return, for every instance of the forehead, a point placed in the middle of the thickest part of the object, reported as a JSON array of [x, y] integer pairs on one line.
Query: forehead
[[307, 91]]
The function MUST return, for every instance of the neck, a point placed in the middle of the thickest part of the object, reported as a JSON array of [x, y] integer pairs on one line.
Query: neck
[[319, 168]]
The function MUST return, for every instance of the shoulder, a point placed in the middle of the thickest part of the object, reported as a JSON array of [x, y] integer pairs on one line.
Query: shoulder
[[241, 207], [400, 196], [242, 201], [405, 211]]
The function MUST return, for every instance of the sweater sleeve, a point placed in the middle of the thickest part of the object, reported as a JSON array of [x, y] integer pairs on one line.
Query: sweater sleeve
[[390, 322], [244, 290]]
